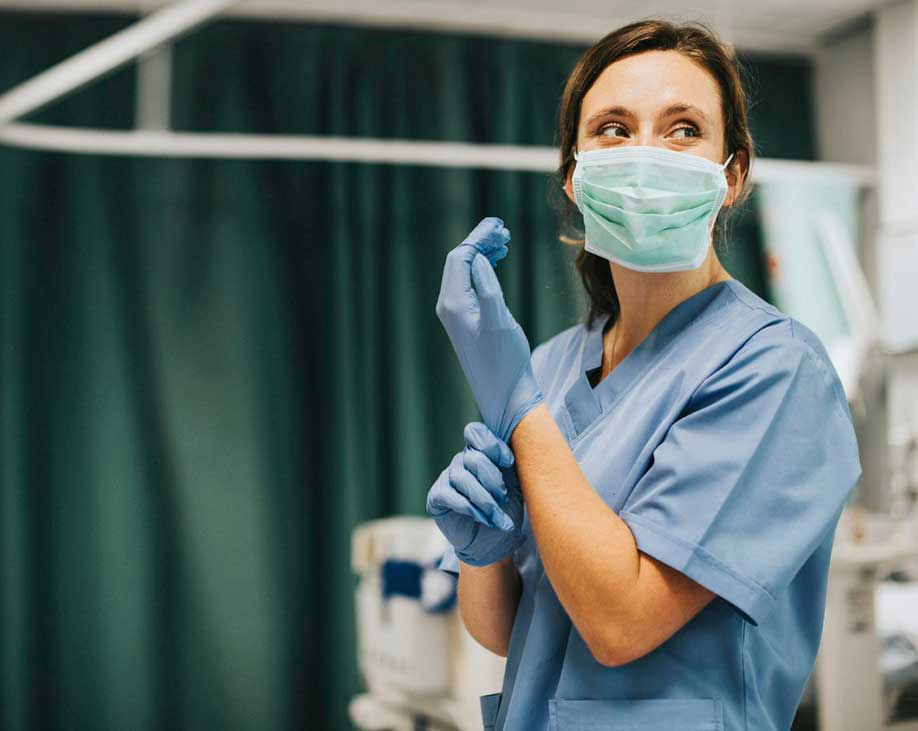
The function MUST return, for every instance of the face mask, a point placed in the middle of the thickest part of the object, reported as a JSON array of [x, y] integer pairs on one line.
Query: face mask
[[648, 208]]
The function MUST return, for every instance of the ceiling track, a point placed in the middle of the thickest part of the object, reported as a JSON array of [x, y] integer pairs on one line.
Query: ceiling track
[[148, 40], [454, 16]]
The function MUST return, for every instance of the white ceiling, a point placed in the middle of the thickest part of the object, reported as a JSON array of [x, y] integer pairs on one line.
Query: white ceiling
[[764, 25]]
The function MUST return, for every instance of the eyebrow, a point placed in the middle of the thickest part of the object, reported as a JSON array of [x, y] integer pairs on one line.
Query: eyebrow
[[670, 111]]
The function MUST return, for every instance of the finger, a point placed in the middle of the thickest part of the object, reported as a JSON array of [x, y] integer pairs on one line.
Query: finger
[[486, 472], [443, 497], [453, 501], [479, 437], [465, 483], [486, 283], [456, 271], [438, 497], [498, 254], [456, 292], [489, 236]]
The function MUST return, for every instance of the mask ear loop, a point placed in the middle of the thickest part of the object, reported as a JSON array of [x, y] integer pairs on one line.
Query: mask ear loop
[[722, 167], [575, 155]]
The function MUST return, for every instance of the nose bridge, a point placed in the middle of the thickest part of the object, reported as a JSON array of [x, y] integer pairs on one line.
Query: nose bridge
[[647, 132]]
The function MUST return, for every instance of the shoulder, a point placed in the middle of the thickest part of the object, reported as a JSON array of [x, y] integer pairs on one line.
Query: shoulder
[[783, 351], [775, 331]]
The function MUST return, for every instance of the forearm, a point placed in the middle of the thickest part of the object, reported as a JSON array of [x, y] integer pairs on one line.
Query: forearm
[[588, 552], [488, 598]]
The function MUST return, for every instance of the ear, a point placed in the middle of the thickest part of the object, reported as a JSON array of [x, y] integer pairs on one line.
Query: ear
[[569, 186], [736, 175]]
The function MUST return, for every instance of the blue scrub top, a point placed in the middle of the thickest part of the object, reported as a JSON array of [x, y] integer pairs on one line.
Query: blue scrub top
[[725, 442]]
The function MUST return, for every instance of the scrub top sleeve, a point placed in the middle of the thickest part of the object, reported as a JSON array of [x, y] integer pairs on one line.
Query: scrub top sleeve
[[747, 482]]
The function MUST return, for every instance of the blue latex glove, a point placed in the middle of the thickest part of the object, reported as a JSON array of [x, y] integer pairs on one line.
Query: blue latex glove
[[492, 347], [477, 502]]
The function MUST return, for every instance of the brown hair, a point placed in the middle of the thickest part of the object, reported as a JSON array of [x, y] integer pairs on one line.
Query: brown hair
[[700, 44]]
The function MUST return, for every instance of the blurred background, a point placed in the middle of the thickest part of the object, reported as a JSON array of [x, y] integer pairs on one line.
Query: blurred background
[[219, 356]]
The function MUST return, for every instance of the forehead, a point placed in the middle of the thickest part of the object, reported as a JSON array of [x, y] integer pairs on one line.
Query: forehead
[[651, 81]]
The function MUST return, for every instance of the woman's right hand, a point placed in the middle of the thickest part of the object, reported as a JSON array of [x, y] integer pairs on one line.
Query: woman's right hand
[[476, 501]]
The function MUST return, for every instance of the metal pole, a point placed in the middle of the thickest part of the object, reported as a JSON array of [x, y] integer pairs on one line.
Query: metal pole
[[151, 143], [359, 150], [154, 89], [108, 55]]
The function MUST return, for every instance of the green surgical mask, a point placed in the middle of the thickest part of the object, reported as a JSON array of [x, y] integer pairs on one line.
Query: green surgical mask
[[648, 208]]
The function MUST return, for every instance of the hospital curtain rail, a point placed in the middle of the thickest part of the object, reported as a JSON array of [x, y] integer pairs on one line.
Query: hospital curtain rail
[[211, 371]]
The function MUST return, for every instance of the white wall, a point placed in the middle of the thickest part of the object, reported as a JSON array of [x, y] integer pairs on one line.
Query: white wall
[[866, 96], [845, 99], [896, 75], [846, 118]]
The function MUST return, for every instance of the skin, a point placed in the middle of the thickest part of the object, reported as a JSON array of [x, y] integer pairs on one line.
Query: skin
[[623, 603]]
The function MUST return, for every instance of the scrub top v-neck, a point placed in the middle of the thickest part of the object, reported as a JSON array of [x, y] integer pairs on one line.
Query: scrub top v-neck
[[724, 441]]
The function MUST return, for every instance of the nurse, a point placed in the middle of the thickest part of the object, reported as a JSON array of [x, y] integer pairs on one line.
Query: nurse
[[643, 520]]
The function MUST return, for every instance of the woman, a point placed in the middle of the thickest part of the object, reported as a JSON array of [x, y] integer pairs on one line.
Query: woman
[[643, 522]]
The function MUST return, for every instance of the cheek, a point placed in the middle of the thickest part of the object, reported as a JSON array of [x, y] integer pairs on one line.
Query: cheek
[[569, 190]]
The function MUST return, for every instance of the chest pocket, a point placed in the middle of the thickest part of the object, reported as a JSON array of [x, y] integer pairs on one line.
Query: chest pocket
[[655, 714]]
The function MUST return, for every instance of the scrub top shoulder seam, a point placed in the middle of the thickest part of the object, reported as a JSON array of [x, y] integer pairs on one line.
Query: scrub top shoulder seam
[[769, 308], [813, 356], [796, 337], [841, 398]]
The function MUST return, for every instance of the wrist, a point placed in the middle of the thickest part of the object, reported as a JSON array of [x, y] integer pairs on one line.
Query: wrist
[[531, 417], [527, 396]]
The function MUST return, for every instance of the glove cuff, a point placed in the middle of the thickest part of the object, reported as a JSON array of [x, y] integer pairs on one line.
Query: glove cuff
[[526, 396], [487, 559]]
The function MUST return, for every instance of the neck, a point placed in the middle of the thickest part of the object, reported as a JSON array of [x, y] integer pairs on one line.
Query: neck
[[646, 298]]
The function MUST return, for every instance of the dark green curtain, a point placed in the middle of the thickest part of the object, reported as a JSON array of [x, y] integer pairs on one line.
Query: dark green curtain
[[211, 371]]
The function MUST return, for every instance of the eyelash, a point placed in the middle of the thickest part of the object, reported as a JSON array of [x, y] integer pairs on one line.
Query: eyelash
[[682, 126]]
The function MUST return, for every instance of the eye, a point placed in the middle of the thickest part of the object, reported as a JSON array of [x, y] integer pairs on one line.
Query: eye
[[689, 129], [615, 127]]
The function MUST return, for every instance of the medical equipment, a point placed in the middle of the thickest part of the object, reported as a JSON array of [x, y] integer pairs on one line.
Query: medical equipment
[[859, 673], [421, 667]]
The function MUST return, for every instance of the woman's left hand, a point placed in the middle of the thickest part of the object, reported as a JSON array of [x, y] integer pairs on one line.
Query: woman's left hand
[[491, 346], [477, 502]]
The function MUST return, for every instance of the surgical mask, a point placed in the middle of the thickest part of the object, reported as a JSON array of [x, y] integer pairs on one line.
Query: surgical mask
[[648, 208]]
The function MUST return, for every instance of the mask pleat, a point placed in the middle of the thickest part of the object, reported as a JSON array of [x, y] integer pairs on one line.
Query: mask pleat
[[648, 207]]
